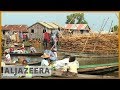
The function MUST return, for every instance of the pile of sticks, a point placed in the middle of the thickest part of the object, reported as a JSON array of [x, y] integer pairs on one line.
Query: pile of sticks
[[102, 44]]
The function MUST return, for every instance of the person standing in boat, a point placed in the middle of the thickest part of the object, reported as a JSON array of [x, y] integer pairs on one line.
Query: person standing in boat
[[46, 38], [55, 34]]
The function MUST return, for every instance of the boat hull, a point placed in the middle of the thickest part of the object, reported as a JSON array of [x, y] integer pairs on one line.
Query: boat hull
[[26, 54]]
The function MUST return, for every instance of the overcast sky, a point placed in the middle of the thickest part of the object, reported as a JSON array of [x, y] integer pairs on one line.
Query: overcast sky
[[94, 19]]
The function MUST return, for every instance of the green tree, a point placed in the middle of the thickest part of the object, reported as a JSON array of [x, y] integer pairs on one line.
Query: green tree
[[76, 18], [114, 28]]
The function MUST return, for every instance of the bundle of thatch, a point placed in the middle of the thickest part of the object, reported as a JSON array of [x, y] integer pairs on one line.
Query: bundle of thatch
[[102, 44]]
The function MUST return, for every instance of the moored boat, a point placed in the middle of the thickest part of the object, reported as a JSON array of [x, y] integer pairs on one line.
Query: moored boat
[[26, 54], [98, 69], [30, 63]]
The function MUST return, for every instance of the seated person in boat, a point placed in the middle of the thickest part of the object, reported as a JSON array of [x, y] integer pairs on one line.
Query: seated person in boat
[[71, 68], [32, 49], [12, 48], [18, 50], [50, 53], [46, 61], [23, 48], [7, 50], [61, 63], [7, 57], [25, 63]]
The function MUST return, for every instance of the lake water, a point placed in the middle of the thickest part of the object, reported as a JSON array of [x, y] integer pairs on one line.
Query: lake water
[[82, 61], [36, 58]]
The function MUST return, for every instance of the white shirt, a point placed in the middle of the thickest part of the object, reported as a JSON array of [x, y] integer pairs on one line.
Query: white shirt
[[7, 50], [44, 62], [33, 49], [73, 66], [18, 51], [8, 57], [2, 64], [55, 53], [61, 63]]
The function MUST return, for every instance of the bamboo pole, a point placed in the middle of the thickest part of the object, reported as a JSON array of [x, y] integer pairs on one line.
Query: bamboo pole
[[117, 16], [86, 42], [110, 27], [99, 34], [109, 31], [103, 27]]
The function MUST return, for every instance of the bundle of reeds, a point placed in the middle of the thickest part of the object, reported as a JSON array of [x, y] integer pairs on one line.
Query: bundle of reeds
[[102, 44]]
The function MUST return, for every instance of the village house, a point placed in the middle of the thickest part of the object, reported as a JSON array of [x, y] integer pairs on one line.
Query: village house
[[10, 29], [36, 30], [78, 28]]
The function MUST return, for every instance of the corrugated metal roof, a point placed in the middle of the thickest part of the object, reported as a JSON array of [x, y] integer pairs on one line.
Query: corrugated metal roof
[[81, 26], [68, 26], [76, 26]]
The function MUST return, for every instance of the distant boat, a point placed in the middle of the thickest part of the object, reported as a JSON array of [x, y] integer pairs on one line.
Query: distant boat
[[26, 54], [30, 63]]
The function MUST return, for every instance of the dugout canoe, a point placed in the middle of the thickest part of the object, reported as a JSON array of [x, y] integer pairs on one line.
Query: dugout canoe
[[99, 69], [30, 63], [26, 54]]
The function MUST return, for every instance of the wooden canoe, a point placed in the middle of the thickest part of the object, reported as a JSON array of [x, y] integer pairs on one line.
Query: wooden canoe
[[98, 70], [30, 63], [26, 54]]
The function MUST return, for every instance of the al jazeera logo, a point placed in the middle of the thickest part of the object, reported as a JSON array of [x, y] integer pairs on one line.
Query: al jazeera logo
[[11, 71]]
